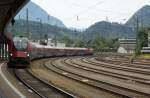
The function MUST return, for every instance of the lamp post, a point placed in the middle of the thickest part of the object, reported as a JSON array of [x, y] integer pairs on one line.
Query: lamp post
[[27, 23], [40, 28], [47, 22]]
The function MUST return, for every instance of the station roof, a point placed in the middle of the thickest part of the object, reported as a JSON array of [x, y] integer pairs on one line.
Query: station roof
[[8, 9]]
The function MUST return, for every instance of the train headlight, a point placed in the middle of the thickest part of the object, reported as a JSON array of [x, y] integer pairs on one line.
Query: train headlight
[[11, 54], [28, 54]]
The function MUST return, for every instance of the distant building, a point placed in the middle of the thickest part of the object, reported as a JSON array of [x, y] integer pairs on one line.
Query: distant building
[[127, 45], [148, 37], [49, 42], [58, 44], [147, 49], [61, 45]]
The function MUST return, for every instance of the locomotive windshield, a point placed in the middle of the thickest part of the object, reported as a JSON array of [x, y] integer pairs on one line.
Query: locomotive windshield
[[20, 43]]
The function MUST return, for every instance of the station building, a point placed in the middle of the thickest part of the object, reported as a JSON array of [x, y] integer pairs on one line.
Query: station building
[[127, 45], [50, 43], [147, 49]]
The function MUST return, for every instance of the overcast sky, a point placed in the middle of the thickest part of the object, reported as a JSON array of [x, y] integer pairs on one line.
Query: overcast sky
[[83, 13]]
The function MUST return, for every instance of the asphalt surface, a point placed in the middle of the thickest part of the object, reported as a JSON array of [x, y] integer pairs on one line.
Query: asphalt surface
[[10, 87]]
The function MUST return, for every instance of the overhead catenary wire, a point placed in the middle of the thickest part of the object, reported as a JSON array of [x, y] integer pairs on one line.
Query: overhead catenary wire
[[87, 9], [77, 15]]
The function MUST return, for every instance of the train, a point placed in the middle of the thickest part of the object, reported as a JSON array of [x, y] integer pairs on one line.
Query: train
[[145, 50], [22, 51], [19, 49]]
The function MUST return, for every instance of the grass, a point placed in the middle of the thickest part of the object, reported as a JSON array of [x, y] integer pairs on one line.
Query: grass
[[145, 56]]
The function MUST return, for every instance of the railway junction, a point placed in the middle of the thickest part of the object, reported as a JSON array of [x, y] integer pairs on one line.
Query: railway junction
[[69, 76], [78, 77]]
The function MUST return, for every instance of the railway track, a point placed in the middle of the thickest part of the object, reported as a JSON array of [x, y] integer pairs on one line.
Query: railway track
[[125, 62], [58, 66], [125, 67], [40, 87], [76, 86], [110, 72], [137, 77]]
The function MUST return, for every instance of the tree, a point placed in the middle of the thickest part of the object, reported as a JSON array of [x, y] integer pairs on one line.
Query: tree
[[67, 40], [141, 41], [113, 43], [98, 43], [80, 43], [45, 36]]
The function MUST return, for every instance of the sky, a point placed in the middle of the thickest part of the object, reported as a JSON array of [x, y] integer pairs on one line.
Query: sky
[[83, 13]]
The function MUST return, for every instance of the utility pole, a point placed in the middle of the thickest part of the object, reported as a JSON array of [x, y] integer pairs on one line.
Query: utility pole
[[137, 24], [137, 29], [55, 40], [142, 24], [40, 27], [19, 17], [27, 22], [47, 22], [106, 27], [19, 24]]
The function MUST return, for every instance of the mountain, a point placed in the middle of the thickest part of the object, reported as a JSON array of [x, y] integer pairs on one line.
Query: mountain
[[108, 30], [143, 17], [37, 29], [127, 30], [36, 13], [55, 27]]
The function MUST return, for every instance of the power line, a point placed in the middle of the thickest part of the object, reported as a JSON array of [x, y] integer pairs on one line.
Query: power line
[[98, 10], [87, 9]]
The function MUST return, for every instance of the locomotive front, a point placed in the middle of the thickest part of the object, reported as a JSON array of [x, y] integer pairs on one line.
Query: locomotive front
[[20, 50]]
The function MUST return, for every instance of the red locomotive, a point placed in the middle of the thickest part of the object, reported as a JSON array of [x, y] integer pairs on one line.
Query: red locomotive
[[19, 50]]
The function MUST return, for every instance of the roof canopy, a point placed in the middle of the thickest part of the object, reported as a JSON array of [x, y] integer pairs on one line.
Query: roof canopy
[[8, 9]]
